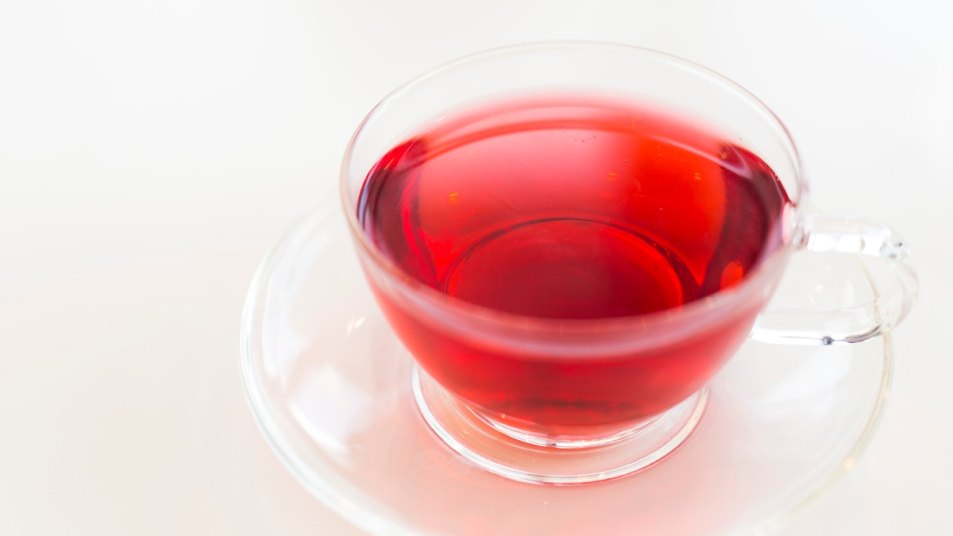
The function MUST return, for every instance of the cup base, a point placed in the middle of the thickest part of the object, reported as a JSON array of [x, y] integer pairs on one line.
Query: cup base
[[563, 437], [529, 457]]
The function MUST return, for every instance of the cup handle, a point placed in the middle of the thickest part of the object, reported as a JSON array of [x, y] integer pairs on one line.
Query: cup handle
[[895, 289]]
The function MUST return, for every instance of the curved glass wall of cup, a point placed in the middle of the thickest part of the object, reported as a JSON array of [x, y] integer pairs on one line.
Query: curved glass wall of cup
[[657, 79]]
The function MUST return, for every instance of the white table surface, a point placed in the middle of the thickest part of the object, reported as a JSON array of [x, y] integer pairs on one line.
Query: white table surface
[[150, 153]]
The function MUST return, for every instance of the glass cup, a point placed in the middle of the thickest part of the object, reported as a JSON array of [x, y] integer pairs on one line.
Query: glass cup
[[565, 401]]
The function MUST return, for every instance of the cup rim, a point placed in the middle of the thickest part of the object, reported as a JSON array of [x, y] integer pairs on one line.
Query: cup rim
[[697, 310]]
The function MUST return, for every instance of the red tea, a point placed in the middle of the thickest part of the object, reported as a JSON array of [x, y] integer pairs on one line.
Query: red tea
[[570, 207]]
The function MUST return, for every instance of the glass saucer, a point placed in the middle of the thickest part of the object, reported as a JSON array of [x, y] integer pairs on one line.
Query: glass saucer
[[330, 386]]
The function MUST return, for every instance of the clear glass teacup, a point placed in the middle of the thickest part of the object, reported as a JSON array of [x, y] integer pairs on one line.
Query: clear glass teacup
[[516, 211]]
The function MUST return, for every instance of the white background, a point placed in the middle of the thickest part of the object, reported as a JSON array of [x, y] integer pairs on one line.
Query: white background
[[151, 151]]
